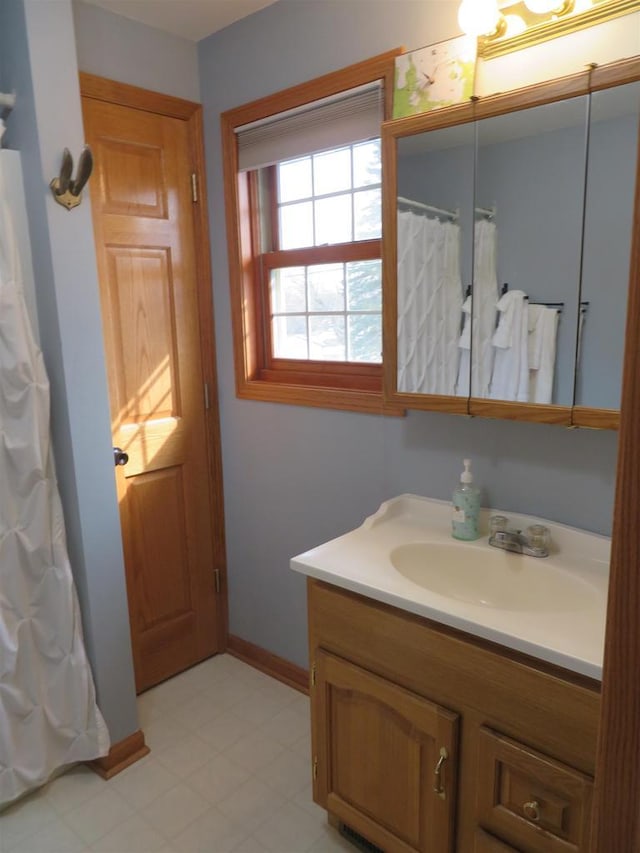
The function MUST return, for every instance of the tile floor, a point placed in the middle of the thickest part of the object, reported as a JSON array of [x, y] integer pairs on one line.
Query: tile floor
[[229, 770]]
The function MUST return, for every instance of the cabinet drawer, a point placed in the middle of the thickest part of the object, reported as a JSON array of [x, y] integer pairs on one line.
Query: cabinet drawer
[[529, 800], [488, 844]]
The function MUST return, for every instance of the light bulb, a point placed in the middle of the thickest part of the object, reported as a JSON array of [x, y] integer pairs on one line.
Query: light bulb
[[515, 25], [479, 17], [543, 7]]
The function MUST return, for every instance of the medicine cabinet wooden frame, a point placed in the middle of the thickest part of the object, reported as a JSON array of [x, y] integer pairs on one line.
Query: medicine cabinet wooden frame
[[582, 83], [616, 812]]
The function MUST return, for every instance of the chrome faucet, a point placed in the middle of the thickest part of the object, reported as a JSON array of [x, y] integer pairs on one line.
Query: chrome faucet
[[534, 541]]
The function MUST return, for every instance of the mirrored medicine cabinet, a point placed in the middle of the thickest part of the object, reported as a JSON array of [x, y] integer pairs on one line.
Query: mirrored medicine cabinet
[[506, 251]]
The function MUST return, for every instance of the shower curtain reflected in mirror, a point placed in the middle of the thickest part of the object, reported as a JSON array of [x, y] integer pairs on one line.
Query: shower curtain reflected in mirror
[[476, 343], [429, 304], [48, 712]]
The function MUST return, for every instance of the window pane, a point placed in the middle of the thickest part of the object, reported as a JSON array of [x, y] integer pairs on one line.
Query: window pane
[[294, 179], [288, 290], [366, 206], [333, 220], [326, 338], [296, 225], [332, 171], [364, 286], [290, 337], [366, 163], [365, 337], [326, 287]]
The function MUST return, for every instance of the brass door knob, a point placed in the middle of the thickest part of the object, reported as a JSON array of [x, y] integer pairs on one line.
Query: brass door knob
[[119, 456]]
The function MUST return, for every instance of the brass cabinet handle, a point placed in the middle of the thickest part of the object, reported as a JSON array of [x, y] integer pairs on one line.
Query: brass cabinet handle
[[437, 784], [532, 810]]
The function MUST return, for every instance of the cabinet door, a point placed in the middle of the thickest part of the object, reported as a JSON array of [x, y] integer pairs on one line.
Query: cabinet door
[[386, 759]]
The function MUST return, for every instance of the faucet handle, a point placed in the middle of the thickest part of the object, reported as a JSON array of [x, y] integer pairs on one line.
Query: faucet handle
[[538, 537], [498, 524]]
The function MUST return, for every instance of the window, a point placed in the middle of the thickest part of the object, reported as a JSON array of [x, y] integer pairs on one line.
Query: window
[[303, 193], [328, 311]]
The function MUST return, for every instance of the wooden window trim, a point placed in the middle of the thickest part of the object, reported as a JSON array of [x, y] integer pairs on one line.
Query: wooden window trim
[[258, 376], [362, 250], [273, 203]]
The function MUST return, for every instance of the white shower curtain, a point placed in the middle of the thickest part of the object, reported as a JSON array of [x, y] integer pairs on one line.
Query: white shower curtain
[[485, 298], [429, 304], [48, 712]]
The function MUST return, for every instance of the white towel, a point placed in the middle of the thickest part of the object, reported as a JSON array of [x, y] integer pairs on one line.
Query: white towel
[[535, 314], [465, 337], [464, 345], [510, 379], [541, 376], [485, 297]]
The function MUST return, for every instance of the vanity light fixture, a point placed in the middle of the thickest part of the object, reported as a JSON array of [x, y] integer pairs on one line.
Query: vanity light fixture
[[516, 24], [549, 7], [480, 18]]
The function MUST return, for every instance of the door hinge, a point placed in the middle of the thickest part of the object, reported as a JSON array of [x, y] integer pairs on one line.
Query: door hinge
[[216, 579], [313, 674], [315, 769], [207, 399], [194, 187]]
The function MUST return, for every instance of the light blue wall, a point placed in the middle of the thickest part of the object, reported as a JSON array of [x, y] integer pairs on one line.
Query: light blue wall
[[37, 43], [124, 50], [443, 177], [295, 477], [608, 227]]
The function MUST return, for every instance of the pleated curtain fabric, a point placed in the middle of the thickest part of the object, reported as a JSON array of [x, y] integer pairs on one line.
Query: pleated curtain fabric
[[429, 304], [48, 711]]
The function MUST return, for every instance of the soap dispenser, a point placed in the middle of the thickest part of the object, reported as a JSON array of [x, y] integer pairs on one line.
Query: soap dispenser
[[465, 520]]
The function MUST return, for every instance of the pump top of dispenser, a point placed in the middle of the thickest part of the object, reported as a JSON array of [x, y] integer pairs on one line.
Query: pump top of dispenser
[[466, 476]]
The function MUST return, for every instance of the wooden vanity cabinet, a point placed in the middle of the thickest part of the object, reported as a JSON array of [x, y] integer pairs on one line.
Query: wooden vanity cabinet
[[427, 739]]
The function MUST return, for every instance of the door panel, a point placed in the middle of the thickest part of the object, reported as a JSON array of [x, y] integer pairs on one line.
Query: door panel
[[359, 724], [133, 179], [144, 348], [143, 223], [162, 547]]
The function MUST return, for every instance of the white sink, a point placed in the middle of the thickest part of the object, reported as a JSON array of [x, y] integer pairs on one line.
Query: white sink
[[490, 577], [553, 608]]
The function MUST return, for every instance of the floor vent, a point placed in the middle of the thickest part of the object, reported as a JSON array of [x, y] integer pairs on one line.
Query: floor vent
[[358, 840]]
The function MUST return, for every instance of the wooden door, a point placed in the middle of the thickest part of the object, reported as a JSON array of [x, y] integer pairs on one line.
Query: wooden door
[[377, 748], [152, 311]]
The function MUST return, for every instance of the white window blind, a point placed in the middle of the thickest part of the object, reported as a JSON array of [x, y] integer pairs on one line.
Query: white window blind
[[351, 116]]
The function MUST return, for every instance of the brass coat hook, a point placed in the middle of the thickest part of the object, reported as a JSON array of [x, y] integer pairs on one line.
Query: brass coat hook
[[67, 191]]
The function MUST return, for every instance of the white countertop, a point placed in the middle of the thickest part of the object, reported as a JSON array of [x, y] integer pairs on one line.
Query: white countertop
[[570, 637]]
